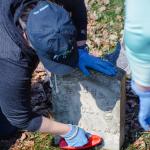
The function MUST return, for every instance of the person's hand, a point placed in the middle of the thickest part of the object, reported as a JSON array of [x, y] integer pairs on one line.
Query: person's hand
[[89, 61], [76, 137], [144, 110], [144, 113]]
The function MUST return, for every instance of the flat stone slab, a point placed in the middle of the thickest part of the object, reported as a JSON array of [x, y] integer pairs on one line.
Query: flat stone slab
[[96, 104]]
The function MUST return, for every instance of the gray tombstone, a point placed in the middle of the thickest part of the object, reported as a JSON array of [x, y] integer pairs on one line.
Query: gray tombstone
[[96, 104]]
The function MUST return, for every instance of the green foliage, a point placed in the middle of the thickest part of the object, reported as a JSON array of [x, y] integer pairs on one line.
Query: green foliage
[[44, 142], [105, 24]]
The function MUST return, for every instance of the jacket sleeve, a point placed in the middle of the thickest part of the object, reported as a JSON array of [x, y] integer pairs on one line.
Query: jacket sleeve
[[79, 16]]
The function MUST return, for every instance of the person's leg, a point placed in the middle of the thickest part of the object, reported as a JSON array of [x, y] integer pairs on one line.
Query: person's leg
[[137, 44]]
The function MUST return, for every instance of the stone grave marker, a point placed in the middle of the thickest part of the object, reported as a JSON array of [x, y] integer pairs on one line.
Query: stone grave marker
[[96, 104]]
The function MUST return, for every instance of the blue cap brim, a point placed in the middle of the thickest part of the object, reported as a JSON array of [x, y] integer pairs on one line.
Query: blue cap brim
[[54, 67]]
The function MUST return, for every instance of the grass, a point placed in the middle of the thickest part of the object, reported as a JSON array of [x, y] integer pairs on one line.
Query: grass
[[44, 142], [105, 24], [142, 142], [110, 13]]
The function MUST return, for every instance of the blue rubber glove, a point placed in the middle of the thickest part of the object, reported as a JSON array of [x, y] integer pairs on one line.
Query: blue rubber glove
[[112, 57], [98, 64], [76, 137], [144, 112]]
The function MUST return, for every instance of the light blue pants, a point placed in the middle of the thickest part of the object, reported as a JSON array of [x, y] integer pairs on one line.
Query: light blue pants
[[137, 39]]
